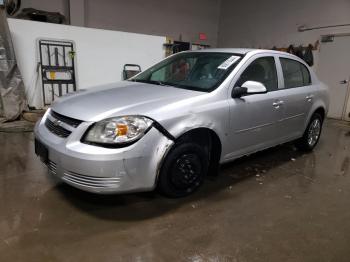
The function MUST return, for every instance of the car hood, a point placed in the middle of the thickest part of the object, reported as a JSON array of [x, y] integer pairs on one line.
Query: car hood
[[123, 98]]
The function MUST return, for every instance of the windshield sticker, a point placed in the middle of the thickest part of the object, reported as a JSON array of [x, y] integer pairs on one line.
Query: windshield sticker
[[226, 64]]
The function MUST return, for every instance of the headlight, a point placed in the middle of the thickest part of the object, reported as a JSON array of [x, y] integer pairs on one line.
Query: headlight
[[118, 130]]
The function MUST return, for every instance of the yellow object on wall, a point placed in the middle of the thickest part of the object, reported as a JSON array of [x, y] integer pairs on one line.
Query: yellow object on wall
[[52, 75]]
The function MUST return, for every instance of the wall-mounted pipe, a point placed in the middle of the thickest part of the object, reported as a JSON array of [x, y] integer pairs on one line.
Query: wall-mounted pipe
[[303, 28]]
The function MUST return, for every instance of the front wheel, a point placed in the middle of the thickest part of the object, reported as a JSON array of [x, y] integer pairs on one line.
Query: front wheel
[[312, 133], [183, 170]]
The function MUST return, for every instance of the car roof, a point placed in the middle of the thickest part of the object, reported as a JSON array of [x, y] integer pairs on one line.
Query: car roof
[[241, 51], [250, 51]]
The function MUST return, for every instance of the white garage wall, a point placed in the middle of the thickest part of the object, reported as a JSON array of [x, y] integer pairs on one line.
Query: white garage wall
[[157, 17], [268, 23], [187, 18], [100, 54]]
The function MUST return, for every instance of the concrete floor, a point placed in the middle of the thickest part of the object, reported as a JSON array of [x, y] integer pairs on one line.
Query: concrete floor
[[277, 205]]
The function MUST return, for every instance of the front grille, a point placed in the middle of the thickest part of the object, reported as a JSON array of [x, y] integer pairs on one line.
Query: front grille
[[65, 119], [60, 124], [91, 181], [57, 129]]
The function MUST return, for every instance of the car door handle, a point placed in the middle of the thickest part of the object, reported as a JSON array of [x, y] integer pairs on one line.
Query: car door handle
[[344, 82], [309, 98], [277, 104]]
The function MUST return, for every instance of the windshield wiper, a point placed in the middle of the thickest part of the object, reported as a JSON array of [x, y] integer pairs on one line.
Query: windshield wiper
[[133, 80], [160, 83]]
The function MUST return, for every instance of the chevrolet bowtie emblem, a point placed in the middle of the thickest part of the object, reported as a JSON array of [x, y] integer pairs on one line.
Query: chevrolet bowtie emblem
[[57, 122]]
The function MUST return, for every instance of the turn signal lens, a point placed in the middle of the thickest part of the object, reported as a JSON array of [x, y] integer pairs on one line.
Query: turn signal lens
[[122, 130]]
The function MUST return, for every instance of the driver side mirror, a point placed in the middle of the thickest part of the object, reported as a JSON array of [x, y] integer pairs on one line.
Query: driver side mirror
[[249, 88]]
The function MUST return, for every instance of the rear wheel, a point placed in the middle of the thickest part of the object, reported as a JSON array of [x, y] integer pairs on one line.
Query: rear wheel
[[183, 170], [312, 134]]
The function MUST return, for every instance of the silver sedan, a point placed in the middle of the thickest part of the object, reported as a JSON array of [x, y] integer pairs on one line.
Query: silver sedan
[[173, 124]]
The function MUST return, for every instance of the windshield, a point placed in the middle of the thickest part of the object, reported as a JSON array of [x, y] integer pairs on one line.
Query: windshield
[[199, 71]]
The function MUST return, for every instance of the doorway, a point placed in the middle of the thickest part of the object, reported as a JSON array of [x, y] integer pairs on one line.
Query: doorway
[[334, 71]]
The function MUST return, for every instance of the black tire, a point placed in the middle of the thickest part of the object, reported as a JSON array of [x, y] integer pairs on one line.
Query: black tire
[[183, 170], [304, 143]]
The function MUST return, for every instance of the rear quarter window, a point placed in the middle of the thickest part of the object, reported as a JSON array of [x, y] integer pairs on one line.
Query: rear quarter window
[[295, 74]]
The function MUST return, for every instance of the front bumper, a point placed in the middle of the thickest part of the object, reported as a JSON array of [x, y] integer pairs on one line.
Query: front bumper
[[104, 170]]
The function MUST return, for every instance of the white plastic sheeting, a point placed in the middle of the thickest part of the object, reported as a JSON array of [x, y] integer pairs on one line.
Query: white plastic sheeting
[[12, 97], [100, 54]]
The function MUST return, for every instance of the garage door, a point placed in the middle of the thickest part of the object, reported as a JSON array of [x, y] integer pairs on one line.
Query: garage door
[[334, 70]]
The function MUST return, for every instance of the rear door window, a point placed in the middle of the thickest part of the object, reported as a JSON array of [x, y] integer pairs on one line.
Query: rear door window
[[295, 74]]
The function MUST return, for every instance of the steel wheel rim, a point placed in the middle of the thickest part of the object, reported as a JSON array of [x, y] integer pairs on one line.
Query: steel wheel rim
[[314, 132], [186, 171]]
